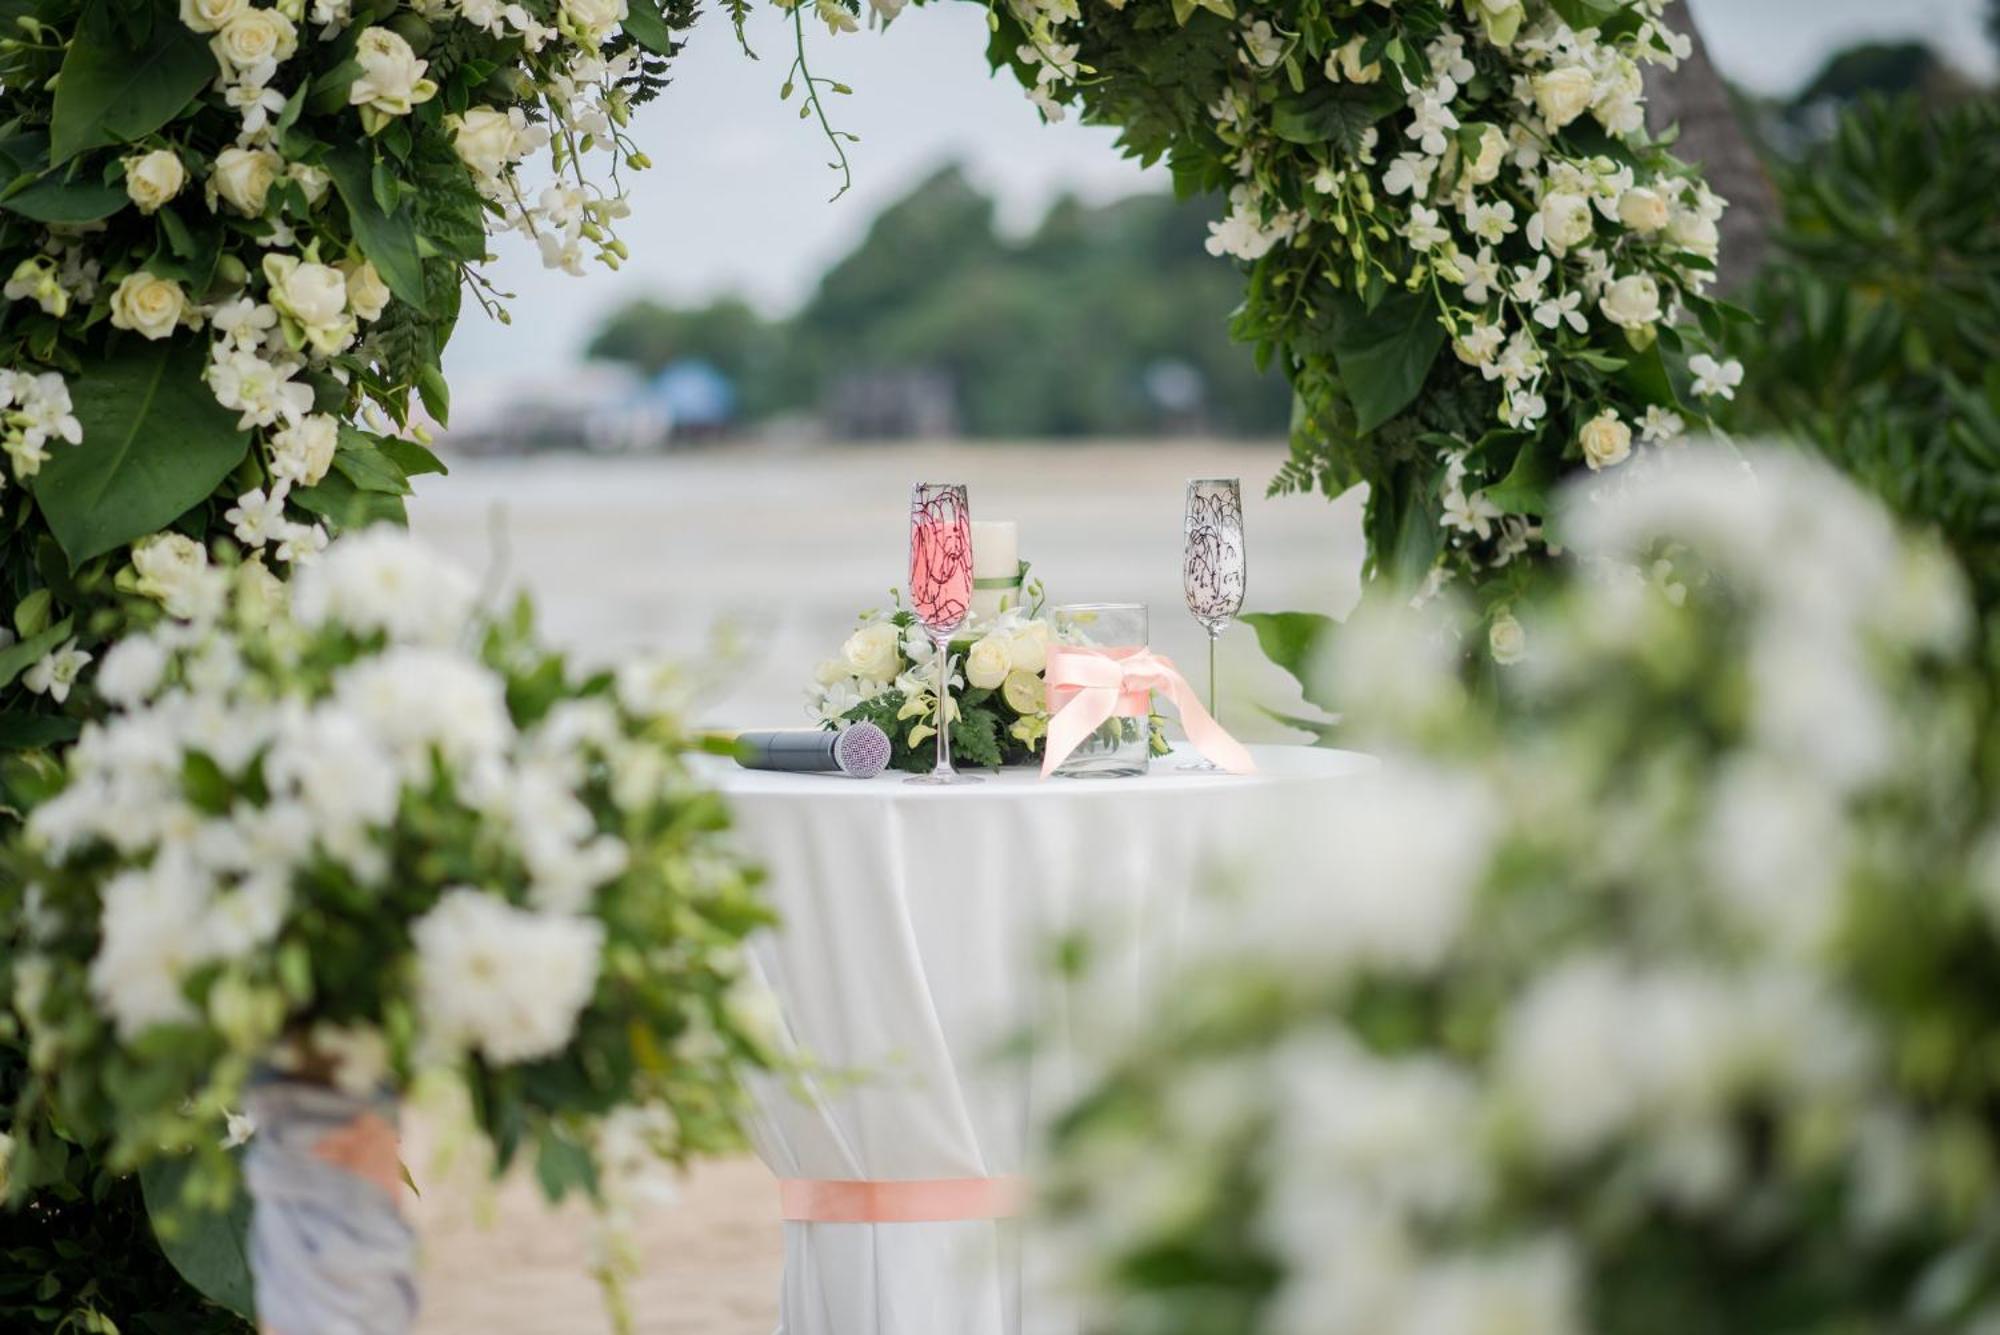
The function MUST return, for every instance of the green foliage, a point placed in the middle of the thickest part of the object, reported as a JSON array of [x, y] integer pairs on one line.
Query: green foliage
[[206, 1245], [130, 70], [1879, 326], [155, 444]]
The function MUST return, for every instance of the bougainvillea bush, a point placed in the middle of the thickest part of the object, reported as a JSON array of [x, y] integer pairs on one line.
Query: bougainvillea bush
[[1660, 998], [368, 836], [1477, 268]]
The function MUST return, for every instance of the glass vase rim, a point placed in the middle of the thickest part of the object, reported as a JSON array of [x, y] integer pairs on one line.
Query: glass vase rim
[[1098, 607], [1236, 481]]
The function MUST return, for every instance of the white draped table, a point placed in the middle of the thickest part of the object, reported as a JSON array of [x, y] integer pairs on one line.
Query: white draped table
[[917, 933]]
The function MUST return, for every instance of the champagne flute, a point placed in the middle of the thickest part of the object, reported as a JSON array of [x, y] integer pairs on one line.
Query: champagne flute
[[1212, 568], [941, 595]]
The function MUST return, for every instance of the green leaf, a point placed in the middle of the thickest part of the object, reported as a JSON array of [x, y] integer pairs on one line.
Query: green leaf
[[361, 460], [1385, 355], [208, 1247], [155, 443], [53, 201], [1584, 15], [24, 731], [1525, 489], [346, 506], [435, 392], [1324, 733], [111, 93], [389, 240], [1646, 375], [1333, 114], [1290, 639], [411, 457], [645, 26], [17, 658], [562, 1165]]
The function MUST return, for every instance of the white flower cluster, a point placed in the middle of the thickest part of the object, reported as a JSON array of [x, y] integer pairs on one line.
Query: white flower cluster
[[880, 658], [414, 719], [1619, 1057], [1531, 250], [571, 215], [35, 411]]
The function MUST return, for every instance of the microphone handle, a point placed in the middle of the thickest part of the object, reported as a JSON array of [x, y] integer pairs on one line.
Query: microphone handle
[[793, 751]]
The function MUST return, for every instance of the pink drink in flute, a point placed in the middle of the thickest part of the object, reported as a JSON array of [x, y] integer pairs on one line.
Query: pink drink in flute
[[941, 573], [941, 595]]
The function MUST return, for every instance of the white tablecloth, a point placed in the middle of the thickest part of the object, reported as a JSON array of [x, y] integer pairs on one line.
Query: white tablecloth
[[916, 930]]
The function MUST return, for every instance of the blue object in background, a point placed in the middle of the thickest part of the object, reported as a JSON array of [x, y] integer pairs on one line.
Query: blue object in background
[[695, 395]]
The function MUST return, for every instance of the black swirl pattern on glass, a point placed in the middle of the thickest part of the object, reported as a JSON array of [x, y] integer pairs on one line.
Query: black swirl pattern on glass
[[1213, 569], [940, 556]]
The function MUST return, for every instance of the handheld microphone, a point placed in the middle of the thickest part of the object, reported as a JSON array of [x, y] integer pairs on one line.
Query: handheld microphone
[[860, 751]]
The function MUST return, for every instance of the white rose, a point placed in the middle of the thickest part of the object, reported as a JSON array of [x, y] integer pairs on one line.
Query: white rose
[[367, 294], [303, 451], [486, 140], [1564, 94], [151, 179], [593, 20], [254, 37], [243, 178], [1643, 210], [1484, 167], [1632, 302], [1606, 441], [1028, 649], [314, 181], [172, 568], [1692, 231], [988, 662], [1564, 221], [147, 305], [314, 296], [1506, 640], [392, 79], [829, 671], [872, 652], [209, 15]]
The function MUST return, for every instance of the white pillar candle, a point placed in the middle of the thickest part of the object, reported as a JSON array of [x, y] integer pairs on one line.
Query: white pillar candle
[[996, 555]]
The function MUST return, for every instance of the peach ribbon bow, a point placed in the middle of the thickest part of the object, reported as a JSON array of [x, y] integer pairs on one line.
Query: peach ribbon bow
[[1087, 687]]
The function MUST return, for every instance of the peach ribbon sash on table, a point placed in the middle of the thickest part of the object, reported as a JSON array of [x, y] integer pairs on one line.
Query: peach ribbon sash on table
[[935, 1201], [1089, 687]]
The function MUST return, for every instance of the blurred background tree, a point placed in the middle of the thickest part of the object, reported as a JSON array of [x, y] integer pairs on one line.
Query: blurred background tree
[[1104, 320], [1878, 339]]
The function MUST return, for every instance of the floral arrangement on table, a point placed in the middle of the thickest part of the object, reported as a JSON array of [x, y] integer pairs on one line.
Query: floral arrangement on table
[[368, 839], [234, 239], [886, 674], [1659, 999]]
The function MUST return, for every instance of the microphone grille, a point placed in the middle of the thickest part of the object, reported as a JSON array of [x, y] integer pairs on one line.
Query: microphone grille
[[861, 750]]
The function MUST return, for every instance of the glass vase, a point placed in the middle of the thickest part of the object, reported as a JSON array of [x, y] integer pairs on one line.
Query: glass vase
[[1121, 747]]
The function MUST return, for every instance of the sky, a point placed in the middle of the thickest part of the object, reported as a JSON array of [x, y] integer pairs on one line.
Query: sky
[[737, 200]]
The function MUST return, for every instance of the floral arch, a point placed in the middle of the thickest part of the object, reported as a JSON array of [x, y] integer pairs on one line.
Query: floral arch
[[237, 236]]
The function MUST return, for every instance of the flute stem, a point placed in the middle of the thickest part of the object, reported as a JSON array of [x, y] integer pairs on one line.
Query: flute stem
[[1213, 635], [943, 707]]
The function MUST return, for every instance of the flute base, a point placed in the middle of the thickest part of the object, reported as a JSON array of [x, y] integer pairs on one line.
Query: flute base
[[944, 779], [1200, 767]]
